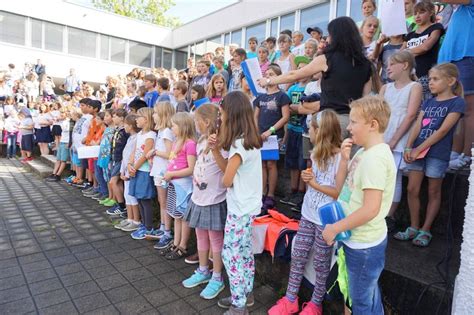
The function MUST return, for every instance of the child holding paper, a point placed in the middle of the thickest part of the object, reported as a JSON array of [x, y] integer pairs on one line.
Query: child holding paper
[[272, 112]]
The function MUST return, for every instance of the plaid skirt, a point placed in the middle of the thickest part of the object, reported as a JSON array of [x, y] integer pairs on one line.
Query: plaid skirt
[[210, 217]]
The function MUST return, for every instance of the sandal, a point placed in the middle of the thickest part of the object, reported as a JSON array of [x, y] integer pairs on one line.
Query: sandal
[[176, 254], [409, 234], [167, 250], [423, 239]]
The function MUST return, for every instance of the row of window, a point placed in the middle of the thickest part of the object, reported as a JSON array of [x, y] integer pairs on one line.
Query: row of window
[[20, 30]]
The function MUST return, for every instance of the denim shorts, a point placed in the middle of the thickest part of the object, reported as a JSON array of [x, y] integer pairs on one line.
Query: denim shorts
[[466, 74], [115, 171], [75, 159], [432, 167], [294, 151], [364, 267], [63, 152]]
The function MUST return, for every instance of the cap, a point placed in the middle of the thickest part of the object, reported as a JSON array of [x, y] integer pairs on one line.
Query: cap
[[314, 29], [301, 59]]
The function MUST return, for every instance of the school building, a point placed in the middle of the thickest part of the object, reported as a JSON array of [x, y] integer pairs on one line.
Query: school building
[[67, 35]]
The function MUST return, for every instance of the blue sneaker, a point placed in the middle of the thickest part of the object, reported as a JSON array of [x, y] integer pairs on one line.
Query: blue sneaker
[[115, 210], [213, 288], [140, 233], [196, 279], [69, 179], [155, 234], [164, 242]]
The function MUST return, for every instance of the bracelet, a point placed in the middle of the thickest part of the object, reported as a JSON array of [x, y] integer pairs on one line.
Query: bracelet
[[272, 130], [408, 149]]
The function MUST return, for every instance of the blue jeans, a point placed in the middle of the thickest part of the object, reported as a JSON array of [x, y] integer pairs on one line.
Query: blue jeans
[[99, 176], [11, 145], [364, 267]]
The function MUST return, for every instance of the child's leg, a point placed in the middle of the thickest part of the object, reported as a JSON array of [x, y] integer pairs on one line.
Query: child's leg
[[136, 213], [238, 257], [264, 177], [322, 265], [203, 245], [294, 179], [165, 218], [177, 232], [79, 172], [56, 167], [272, 177], [415, 178], [217, 241], [185, 233], [147, 213], [117, 189], [398, 194], [304, 240], [62, 166], [434, 202]]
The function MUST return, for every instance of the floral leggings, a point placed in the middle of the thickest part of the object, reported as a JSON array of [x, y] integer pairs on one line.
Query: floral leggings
[[237, 256]]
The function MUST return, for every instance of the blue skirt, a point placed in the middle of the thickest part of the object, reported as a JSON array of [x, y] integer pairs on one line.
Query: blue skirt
[[142, 186], [44, 135]]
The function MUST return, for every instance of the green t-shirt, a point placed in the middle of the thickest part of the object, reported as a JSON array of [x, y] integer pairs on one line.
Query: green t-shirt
[[411, 25], [371, 169]]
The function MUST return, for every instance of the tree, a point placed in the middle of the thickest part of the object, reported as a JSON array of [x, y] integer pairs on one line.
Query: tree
[[152, 11]]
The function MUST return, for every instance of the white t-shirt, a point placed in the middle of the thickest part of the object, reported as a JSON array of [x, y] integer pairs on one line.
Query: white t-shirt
[[245, 195], [65, 125], [311, 88], [159, 163], [298, 50], [80, 130], [55, 114], [140, 148], [314, 199], [127, 153]]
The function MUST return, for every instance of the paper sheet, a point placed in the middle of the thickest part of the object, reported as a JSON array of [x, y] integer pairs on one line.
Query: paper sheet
[[392, 17], [271, 143], [88, 152], [251, 69]]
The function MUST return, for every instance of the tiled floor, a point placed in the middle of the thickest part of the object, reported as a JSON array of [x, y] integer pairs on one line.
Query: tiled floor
[[59, 254]]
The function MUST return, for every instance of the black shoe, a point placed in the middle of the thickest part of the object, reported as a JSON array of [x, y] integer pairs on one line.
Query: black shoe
[[50, 178], [391, 224], [57, 178]]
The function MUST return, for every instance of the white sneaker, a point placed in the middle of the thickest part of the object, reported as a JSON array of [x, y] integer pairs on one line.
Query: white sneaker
[[461, 162], [121, 224], [130, 227], [454, 155]]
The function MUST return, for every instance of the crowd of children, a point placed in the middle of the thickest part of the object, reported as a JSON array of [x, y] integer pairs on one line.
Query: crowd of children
[[194, 141]]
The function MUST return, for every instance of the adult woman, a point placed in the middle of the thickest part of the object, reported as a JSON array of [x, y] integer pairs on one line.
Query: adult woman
[[458, 48], [345, 70]]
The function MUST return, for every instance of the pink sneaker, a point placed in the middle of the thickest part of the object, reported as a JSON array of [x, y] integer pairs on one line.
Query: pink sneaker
[[310, 308], [284, 307]]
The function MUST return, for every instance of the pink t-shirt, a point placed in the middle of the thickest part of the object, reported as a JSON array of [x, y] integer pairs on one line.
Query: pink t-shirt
[[179, 161], [207, 178]]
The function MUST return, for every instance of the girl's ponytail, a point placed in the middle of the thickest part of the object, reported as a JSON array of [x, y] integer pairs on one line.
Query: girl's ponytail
[[458, 89]]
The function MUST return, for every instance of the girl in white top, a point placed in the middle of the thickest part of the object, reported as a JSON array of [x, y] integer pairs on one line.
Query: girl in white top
[[163, 111], [56, 130], [368, 30], [286, 61], [243, 178], [404, 96]]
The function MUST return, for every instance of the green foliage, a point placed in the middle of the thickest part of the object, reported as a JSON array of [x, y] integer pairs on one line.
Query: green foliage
[[152, 11]]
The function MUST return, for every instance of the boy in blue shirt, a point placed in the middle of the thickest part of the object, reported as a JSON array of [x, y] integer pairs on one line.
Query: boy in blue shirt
[[151, 96]]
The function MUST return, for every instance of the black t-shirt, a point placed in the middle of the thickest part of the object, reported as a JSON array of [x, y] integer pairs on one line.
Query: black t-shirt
[[427, 60], [343, 82], [270, 110]]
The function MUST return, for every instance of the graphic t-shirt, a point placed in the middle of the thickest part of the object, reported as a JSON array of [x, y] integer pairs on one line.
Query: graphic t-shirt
[[434, 112], [296, 122], [270, 110], [427, 60], [159, 163], [179, 160], [207, 178], [140, 148], [369, 169]]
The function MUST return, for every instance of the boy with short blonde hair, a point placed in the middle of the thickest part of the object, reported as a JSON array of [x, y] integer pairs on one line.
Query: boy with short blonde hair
[[366, 197]]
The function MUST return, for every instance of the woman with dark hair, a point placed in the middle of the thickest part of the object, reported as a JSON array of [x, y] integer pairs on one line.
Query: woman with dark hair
[[345, 70]]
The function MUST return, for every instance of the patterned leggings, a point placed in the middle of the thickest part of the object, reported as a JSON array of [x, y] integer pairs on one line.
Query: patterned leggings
[[238, 258], [309, 235]]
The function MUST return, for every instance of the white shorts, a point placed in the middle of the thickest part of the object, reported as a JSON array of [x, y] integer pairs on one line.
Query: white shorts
[[129, 200]]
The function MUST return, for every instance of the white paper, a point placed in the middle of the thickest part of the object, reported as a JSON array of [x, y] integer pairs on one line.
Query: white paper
[[392, 17], [253, 68], [88, 152], [271, 143]]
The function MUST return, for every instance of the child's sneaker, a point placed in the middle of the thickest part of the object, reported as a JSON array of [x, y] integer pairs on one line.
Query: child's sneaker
[[69, 179], [192, 259], [227, 301], [297, 199], [131, 227], [154, 234], [196, 279], [268, 203], [109, 203], [121, 224], [460, 162], [310, 308], [104, 200], [97, 196], [88, 190], [140, 233], [164, 242], [286, 200], [116, 210], [284, 307], [212, 289]]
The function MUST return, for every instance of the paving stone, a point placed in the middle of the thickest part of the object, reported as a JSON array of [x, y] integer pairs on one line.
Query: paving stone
[[14, 294], [45, 286], [161, 297], [94, 262], [63, 260], [87, 255], [83, 289], [106, 310], [75, 278], [59, 309], [12, 282], [178, 307], [31, 258], [39, 265], [10, 272], [51, 298], [137, 305], [57, 252], [23, 306], [91, 302], [127, 264], [137, 274], [102, 271], [118, 294], [148, 285], [112, 281], [69, 268]]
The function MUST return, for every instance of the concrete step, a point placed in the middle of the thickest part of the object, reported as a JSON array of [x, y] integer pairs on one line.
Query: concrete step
[[37, 166], [49, 159]]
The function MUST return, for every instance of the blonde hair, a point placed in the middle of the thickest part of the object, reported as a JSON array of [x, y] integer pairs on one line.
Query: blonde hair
[[371, 17], [449, 70], [148, 114], [373, 108], [185, 123], [328, 138], [165, 111], [405, 56], [211, 91]]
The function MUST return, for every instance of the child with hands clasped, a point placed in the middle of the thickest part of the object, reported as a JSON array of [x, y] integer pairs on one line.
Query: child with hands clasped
[[207, 208], [179, 179], [428, 149], [365, 197], [242, 177], [325, 134]]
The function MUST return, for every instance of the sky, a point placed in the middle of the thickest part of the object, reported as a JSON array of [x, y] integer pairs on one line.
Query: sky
[[187, 10]]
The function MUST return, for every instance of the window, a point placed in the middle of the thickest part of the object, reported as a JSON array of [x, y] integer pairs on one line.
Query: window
[[258, 31], [213, 43], [53, 36], [80, 42], [180, 58], [236, 37], [167, 59], [287, 22], [36, 33], [117, 49], [274, 27], [227, 39], [198, 50], [341, 8], [104, 47], [12, 28], [139, 54], [315, 16], [158, 56], [356, 10]]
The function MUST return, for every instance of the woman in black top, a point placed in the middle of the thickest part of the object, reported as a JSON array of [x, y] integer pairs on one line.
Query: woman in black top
[[345, 70]]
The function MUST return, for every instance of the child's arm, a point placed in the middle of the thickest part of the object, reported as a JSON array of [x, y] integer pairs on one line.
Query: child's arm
[[341, 175], [308, 177], [369, 210], [413, 105], [256, 114], [415, 130], [307, 108], [427, 45], [216, 152], [285, 113], [232, 166], [149, 143], [165, 154], [131, 162], [188, 171]]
